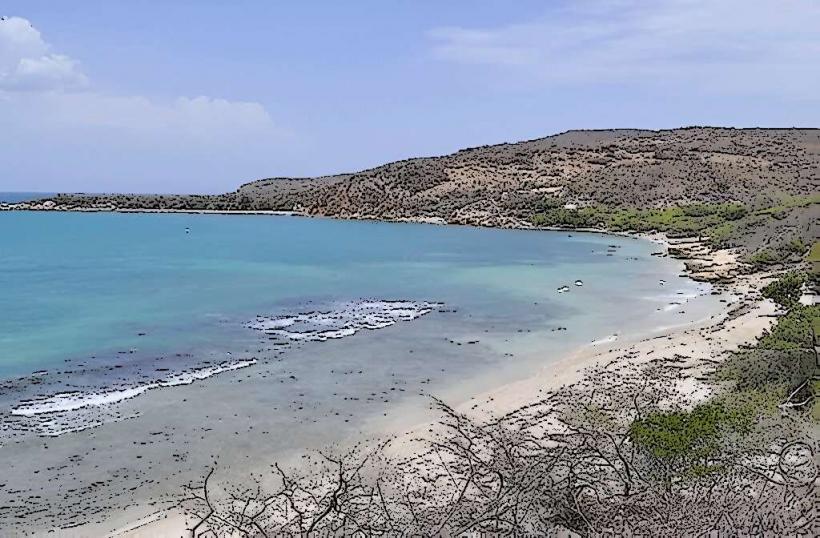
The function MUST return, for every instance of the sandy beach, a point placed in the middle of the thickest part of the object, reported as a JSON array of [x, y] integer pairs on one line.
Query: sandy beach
[[694, 345], [409, 269]]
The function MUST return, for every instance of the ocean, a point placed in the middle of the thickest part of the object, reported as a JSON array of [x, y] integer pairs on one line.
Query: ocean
[[117, 326], [16, 197]]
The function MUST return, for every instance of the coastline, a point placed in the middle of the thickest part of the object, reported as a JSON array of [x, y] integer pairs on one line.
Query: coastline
[[694, 345], [27, 206], [705, 341], [568, 369], [702, 262]]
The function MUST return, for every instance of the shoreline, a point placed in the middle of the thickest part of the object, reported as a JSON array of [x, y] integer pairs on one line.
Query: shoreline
[[568, 368], [696, 345], [57, 209], [704, 342], [703, 263]]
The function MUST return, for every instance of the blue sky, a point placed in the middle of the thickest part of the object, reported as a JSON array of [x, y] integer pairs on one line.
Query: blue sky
[[198, 96]]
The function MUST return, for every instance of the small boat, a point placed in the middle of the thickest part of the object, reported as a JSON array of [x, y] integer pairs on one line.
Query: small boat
[[563, 289], [579, 282]]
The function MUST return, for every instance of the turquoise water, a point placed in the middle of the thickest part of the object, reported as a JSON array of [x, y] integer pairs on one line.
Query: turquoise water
[[137, 349], [99, 303]]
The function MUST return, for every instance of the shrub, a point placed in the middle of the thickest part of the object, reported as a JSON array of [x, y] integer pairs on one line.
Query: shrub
[[794, 330], [795, 246], [734, 211], [764, 257], [782, 357], [683, 442], [814, 265], [754, 369], [786, 290]]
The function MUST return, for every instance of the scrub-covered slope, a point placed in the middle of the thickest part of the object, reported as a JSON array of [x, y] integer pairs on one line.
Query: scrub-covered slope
[[774, 174]]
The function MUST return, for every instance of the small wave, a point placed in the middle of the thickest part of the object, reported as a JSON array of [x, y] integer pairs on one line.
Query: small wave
[[606, 340], [75, 410], [73, 401], [673, 306], [675, 299], [344, 319]]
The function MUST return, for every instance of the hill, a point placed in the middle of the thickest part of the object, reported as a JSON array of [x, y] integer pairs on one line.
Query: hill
[[774, 174]]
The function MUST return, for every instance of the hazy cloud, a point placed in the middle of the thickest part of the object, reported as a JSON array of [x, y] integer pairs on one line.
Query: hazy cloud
[[49, 90], [729, 45], [50, 108]]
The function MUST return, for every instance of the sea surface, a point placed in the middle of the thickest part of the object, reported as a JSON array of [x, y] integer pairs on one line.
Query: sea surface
[[16, 197], [114, 327]]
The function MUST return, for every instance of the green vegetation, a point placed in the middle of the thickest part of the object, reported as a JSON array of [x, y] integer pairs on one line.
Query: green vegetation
[[788, 251], [784, 360], [795, 330], [764, 257], [786, 290], [777, 375], [724, 225], [814, 253], [789, 202], [686, 442], [813, 258], [678, 221]]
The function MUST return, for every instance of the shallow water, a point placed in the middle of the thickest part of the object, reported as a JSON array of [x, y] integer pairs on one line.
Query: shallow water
[[260, 324]]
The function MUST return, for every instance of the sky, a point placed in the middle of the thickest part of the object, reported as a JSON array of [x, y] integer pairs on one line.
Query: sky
[[201, 96]]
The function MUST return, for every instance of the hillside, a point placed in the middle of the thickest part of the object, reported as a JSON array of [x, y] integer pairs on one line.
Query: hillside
[[621, 168], [773, 172]]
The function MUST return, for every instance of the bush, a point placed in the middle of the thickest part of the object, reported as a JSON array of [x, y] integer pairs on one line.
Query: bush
[[795, 246], [764, 257], [683, 440], [813, 258], [677, 221], [757, 369], [734, 211], [786, 290], [783, 357], [794, 330]]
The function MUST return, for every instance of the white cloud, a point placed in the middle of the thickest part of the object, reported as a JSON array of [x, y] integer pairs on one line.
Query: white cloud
[[26, 63], [199, 118], [62, 132], [44, 91], [729, 45]]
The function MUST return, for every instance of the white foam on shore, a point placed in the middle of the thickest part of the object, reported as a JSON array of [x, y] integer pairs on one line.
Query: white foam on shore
[[69, 411], [672, 306], [72, 401], [345, 319], [607, 340], [676, 299]]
